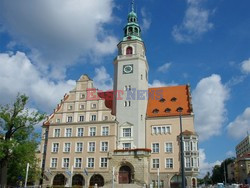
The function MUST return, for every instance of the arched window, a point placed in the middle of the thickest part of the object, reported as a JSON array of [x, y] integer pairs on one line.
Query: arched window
[[130, 30], [129, 50], [136, 31]]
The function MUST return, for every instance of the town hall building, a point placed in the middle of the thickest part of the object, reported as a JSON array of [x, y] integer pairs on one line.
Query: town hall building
[[129, 136]]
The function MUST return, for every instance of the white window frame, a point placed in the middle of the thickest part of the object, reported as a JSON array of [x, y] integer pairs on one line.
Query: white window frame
[[56, 163], [158, 164], [89, 146], [76, 148], [54, 133], [64, 163], [93, 106], [77, 132], [167, 163], [123, 144], [66, 132], [91, 162], [81, 118], [106, 162], [81, 106], [52, 148], [153, 149], [93, 119], [64, 147], [91, 133], [70, 107], [123, 133], [101, 147], [105, 126], [80, 166], [165, 144], [69, 119]]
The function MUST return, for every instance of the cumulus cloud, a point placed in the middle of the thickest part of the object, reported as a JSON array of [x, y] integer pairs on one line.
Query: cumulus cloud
[[240, 126], [204, 165], [195, 22], [146, 20], [209, 99], [230, 154], [164, 68], [18, 74], [59, 32], [102, 80], [245, 66]]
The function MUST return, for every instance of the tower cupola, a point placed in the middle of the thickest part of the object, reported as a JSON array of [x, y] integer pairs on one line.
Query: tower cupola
[[132, 30]]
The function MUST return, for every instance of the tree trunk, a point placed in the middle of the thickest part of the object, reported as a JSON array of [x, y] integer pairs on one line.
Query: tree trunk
[[3, 175]]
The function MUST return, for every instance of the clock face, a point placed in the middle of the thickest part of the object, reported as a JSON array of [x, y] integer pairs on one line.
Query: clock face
[[127, 69]]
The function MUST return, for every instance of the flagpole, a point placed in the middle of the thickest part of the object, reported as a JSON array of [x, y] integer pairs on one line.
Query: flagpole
[[113, 177], [158, 177], [27, 174]]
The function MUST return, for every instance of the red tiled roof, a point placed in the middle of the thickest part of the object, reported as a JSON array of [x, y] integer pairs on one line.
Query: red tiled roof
[[175, 97]]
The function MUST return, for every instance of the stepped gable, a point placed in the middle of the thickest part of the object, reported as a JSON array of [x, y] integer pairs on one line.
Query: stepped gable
[[164, 101]]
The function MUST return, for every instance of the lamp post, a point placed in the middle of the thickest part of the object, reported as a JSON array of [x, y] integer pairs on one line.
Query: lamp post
[[183, 182]]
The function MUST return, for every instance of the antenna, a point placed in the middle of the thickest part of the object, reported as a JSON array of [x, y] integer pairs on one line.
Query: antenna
[[132, 5]]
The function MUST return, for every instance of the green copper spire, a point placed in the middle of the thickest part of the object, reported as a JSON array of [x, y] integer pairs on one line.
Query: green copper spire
[[132, 30]]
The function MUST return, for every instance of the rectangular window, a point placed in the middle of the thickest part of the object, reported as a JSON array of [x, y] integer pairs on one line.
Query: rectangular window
[[169, 163], [105, 131], [126, 146], [105, 118], [126, 132], [155, 163], [79, 146], [91, 147], [66, 147], [161, 130], [78, 162], [92, 131], [68, 132], [53, 163], [57, 133], [104, 146], [81, 106], [187, 146], [82, 96], [81, 118], [188, 163], [93, 106], [65, 163], [169, 147], [91, 162], [155, 148], [104, 162], [93, 117], [69, 119], [58, 120], [55, 147], [70, 107], [80, 132]]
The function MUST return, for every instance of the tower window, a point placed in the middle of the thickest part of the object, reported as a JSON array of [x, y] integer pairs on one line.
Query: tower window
[[130, 30], [136, 31], [129, 50]]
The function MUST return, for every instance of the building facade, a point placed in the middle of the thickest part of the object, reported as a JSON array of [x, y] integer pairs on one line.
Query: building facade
[[243, 147], [130, 135]]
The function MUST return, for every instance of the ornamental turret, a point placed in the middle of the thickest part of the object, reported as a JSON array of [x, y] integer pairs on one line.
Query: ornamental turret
[[132, 30]]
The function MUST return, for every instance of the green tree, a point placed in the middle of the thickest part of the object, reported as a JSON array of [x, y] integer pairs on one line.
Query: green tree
[[18, 142]]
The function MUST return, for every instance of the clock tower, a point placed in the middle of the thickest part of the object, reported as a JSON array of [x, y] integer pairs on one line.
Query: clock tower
[[131, 86]]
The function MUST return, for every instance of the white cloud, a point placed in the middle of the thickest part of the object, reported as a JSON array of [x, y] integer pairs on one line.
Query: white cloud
[[18, 74], [102, 80], [164, 68], [209, 99], [195, 22], [204, 165], [146, 20], [245, 66], [240, 126], [158, 83], [59, 32]]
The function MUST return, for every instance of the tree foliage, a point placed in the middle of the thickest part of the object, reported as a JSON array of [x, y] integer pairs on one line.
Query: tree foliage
[[18, 142]]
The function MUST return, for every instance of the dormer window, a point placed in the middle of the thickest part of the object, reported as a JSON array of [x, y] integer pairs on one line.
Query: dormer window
[[162, 100], [167, 110], [174, 99], [155, 111], [129, 50]]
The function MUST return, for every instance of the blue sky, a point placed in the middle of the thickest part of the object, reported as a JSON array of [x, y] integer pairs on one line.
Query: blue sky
[[46, 45]]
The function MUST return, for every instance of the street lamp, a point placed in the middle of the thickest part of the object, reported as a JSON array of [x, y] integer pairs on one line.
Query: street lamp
[[183, 185]]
